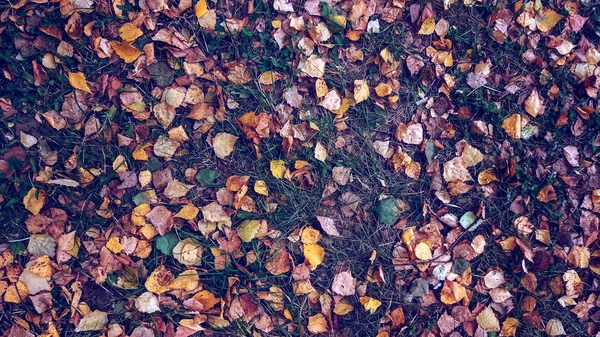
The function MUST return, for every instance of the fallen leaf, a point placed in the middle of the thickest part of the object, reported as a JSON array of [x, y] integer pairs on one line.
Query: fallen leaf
[[125, 51], [509, 327], [320, 152], [223, 144], [343, 308], [78, 81], [314, 254], [328, 226], [147, 303], [129, 32], [321, 88], [534, 104], [332, 101], [35, 200], [248, 229], [94, 320], [369, 303], [269, 77], [427, 27], [546, 19], [488, 321], [343, 284], [278, 168], [317, 324], [554, 327], [314, 66], [200, 8], [361, 91], [260, 187], [512, 126]]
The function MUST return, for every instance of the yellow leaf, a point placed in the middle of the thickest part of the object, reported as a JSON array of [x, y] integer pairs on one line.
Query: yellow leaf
[[137, 215], [287, 314], [269, 77], [317, 324], [188, 280], [546, 19], [139, 153], [201, 8], [15, 293], [278, 168], [509, 327], [114, 245], [343, 308], [160, 280], [423, 252], [129, 32], [369, 303], [321, 88], [248, 229], [35, 200], [427, 27], [383, 89], [188, 212], [78, 81], [361, 90], [276, 24], [314, 253], [260, 187], [125, 51], [512, 126], [310, 235]]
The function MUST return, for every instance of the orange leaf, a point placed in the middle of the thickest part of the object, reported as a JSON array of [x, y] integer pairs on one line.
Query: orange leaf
[[125, 51]]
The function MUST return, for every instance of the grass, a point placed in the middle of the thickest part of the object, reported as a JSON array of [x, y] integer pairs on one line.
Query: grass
[[299, 203]]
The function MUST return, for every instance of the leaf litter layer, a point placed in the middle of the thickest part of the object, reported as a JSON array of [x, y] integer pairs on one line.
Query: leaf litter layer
[[290, 168]]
